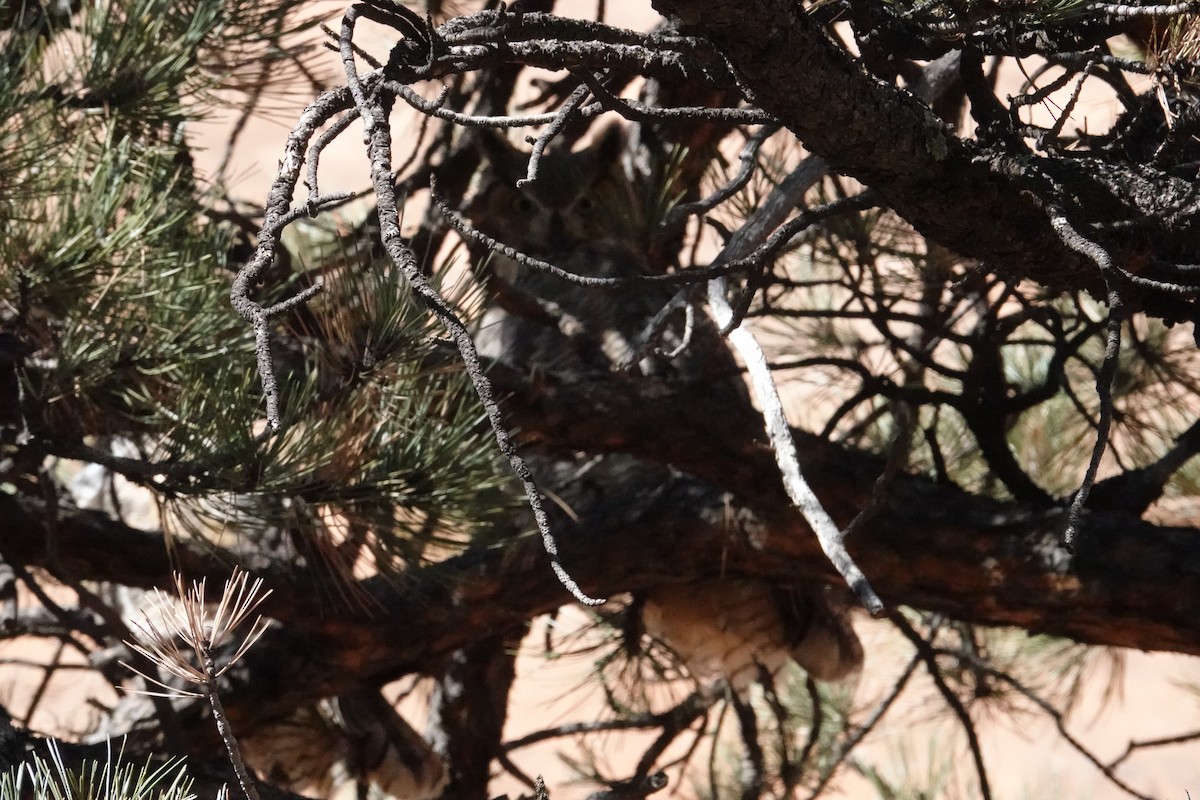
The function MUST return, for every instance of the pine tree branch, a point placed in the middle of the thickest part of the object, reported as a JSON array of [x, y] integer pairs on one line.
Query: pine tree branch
[[933, 546], [894, 143]]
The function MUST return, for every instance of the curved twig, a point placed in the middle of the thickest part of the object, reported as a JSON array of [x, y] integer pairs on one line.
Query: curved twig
[[379, 146], [1108, 369], [927, 655]]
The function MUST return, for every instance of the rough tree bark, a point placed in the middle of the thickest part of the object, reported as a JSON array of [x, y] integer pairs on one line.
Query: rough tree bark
[[980, 203], [1129, 583], [468, 710]]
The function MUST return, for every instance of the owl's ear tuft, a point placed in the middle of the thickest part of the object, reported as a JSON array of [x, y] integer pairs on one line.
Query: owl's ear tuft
[[506, 160], [610, 143]]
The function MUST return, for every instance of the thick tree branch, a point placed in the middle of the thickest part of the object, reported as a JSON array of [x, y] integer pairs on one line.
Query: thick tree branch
[[891, 141], [468, 710], [933, 546]]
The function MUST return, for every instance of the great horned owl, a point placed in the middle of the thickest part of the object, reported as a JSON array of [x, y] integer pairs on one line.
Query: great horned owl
[[586, 215], [581, 214]]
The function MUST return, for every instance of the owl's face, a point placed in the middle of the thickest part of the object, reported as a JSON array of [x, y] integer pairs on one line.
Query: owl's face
[[581, 200]]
